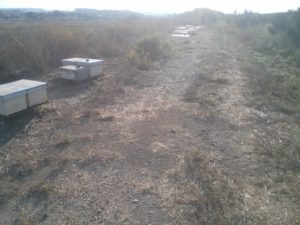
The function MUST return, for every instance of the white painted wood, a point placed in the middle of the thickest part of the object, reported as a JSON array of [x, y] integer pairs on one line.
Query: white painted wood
[[81, 62], [68, 75], [72, 72], [20, 95], [37, 96], [96, 71], [12, 105], [94, 67]]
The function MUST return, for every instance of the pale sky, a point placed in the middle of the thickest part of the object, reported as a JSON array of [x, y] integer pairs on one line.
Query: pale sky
[[158, 6]]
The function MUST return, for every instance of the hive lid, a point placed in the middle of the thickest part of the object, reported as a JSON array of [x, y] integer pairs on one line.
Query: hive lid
[[19, 86], [82, 61]]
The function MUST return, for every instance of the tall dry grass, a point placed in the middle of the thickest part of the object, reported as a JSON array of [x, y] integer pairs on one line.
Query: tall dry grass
[[38, 47]]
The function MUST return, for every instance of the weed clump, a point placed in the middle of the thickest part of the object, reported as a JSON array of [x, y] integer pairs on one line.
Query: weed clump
[[149, 50], [209, 196], [220, 200]]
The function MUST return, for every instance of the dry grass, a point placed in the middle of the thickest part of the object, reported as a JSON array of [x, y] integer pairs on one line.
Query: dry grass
[[208, 98], [273, 83], [212, 197], [203, 194], [220, 201], [148, 50], [38, 47]]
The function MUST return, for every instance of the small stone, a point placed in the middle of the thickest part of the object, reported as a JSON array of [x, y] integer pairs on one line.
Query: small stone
[[135, 200]]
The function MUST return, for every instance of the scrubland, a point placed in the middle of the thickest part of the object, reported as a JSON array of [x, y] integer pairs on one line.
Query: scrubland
[[199, 130]]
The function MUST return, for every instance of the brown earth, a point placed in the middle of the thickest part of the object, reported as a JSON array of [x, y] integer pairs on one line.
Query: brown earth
[[113, 150]]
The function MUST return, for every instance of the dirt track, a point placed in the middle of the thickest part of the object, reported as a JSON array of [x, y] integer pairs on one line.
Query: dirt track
[[83, 162]]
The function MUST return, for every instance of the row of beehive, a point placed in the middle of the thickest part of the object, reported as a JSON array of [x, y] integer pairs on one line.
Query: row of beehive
[[23, 94], [186, 31]]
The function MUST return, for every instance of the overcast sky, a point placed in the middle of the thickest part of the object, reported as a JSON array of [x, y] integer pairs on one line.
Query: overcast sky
[[159, 6]]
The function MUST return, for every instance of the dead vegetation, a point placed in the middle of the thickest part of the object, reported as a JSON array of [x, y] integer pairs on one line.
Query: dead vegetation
[[149, 50], [213, 197], [209, 97], [38, 47], [273, 83], [79, 158]]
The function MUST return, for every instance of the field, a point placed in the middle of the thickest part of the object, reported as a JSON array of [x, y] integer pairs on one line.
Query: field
[[176, 131]]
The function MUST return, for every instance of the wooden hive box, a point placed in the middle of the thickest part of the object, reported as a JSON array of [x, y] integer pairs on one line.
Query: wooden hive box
[[20, 95], [95, 66], [71, 72]]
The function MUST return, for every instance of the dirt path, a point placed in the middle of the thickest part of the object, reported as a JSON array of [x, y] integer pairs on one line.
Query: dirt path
[[85, 163]]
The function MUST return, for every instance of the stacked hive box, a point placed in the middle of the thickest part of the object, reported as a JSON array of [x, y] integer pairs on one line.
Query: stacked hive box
[[22, 94], [81, 68]]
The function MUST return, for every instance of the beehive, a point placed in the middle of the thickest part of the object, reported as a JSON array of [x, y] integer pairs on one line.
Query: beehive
[[71, 72], [22, 94], [94, 66]]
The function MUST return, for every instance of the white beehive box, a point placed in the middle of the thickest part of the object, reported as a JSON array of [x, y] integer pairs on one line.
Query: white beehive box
[[72, 72], [22, 94], [95, 66]]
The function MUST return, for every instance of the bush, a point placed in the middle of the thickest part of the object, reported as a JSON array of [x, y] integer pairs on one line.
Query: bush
[[148, 50], [141, 62]]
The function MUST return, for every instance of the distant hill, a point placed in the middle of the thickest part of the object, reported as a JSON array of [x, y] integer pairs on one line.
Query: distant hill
[[24, 10], [35, 14], [199, 16], [201, 11], [107, 13]]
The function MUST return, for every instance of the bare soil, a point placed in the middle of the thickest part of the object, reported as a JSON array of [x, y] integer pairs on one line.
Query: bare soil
[[113, 150]]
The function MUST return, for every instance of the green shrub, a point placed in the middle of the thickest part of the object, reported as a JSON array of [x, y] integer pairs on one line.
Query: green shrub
[[154, 47], [148, 50], [141, 62]]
